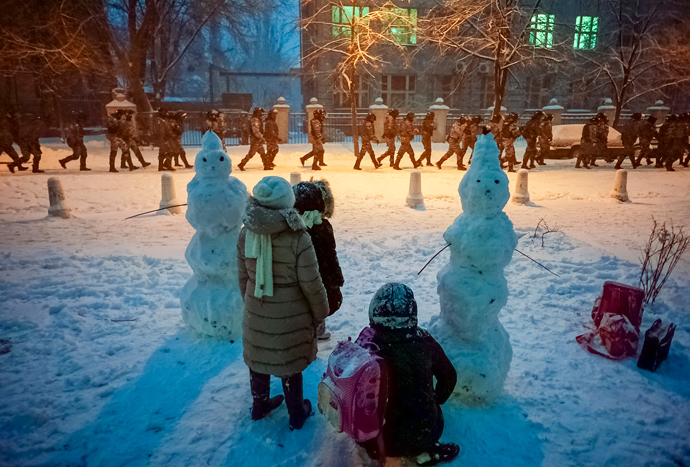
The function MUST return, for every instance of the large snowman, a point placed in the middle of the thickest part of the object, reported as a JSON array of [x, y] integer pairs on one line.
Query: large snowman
[[472, 287], [211, 300]]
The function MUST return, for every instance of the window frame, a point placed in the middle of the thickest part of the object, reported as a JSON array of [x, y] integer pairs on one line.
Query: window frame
[[409, 28], [586, 39], [398, 98], [340, 100], [342, 22], [541, 30]]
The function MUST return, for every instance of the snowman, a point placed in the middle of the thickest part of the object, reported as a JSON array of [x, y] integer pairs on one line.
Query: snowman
[[211, 300], [472, 287]]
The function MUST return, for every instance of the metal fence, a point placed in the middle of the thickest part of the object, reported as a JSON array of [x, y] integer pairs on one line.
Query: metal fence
[[337, 126], [194, 122]]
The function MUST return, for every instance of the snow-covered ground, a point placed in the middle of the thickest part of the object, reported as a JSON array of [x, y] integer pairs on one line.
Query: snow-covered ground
[[102, 371]]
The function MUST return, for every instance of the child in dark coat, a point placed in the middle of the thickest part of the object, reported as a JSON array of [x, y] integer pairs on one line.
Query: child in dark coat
[[413, 420], [314, 201]]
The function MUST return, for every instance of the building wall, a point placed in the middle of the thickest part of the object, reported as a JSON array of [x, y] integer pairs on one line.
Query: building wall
[[468, 87]]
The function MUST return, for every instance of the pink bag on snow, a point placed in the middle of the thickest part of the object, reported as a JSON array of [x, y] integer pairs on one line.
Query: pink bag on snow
[[617, 315], [352, 394]]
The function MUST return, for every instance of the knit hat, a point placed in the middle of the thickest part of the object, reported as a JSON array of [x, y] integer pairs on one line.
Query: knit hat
[[274, 193], [393, 307]]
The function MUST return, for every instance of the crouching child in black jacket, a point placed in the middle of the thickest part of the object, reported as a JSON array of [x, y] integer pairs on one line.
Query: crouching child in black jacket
[[314, 201], [413, 420]]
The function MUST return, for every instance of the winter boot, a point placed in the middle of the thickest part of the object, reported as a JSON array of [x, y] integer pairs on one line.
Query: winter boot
[[298, 408], [261, 390], [321, 333], [439, 453]]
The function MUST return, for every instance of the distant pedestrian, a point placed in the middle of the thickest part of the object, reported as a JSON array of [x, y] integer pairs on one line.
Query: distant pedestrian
[[407, 132], [368, 134], [428, 127], [257, 140], [457, 133], [75, 140], [390, 131], [6, 140], [317, 141]]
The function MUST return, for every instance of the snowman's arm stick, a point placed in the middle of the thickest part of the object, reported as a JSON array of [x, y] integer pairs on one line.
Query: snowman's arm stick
[[432, 258], [537, 263], [156, 210]]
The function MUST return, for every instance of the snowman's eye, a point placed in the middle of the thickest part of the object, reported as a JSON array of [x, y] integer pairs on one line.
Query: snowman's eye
[[496, 182], [478, 181], [204, 159], [223, 158]]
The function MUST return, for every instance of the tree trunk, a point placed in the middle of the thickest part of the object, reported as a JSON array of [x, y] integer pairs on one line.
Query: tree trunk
[[353, 110]]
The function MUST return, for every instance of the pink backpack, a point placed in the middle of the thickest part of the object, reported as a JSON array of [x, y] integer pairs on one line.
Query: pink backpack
[[353, 392]]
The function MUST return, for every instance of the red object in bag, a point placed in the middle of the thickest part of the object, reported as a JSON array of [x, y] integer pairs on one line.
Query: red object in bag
[[619, 299], [617, 315], [619, 336]]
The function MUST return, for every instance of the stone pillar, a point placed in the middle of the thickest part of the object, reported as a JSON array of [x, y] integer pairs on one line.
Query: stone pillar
[[521, 195], [620, 186], [120, 102], [379, 109], [310, 108], [295, 178], [608, 109], [556, 110], [168, 195], [282, 120], [415, 199], [58, 207], [440, 111], [660, 111]]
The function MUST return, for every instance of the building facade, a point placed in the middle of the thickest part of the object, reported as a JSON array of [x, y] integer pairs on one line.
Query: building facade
[[413, 78]]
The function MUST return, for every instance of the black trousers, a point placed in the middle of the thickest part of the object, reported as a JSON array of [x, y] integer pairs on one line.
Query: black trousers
[[292, 388]]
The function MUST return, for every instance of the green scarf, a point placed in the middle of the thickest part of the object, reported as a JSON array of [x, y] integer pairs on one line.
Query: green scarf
[[310, 218], [260, 247]]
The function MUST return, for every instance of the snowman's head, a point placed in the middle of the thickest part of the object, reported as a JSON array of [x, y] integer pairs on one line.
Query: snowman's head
[[212, 161], [484, 188]]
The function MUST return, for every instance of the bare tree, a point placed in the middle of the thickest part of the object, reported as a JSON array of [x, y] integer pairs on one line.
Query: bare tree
[[359, 38], [661, 253], [507, 33], [56, 44], [646, 50]]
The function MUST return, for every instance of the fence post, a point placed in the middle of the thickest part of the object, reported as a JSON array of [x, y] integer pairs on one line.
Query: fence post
[[440, 111], [379, 109], [120, 102], [660, 111], [556, 110], [608, 109], [282, 119], [311, 107]]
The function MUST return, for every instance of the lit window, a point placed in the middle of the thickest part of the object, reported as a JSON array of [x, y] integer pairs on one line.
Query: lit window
[[541, 31], [586, 32], [345, 15], [402, 25]]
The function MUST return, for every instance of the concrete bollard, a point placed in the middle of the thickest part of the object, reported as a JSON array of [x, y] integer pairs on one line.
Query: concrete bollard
[[415, 198], [620, 186], [58, 207], [295, 178], [521, 194], [168, 196]]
